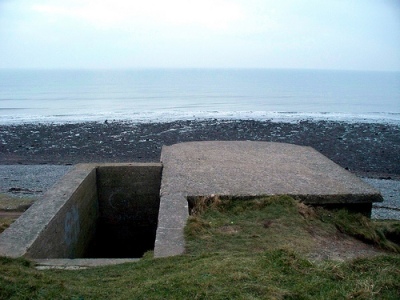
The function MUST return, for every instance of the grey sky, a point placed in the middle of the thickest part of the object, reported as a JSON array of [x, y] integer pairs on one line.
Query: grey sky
[[330, 34]]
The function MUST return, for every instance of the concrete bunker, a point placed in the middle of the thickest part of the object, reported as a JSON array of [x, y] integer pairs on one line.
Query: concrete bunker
[[119, 211], [95, 211]]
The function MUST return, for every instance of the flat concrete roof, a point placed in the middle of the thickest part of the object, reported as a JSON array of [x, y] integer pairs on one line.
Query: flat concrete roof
[[244, 168]]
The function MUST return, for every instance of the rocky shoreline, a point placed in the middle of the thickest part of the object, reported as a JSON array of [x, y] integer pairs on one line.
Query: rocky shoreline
[[366, 149]]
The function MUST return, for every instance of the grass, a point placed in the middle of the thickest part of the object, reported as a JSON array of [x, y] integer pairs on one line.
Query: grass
[[255, 249], [280, 222], [5, 222], [275, 274], [12, 204], [228, 226], [385, 234]]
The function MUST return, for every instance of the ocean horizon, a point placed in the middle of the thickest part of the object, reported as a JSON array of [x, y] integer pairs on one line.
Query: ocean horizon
[[164, 95]]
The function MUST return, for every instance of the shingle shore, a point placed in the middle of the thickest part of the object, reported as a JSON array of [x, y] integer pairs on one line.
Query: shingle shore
[[368, 149]]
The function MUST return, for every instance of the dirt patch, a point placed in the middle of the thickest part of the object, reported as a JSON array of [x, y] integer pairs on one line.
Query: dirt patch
[[228, 229], [12, 203], [340, 247], [11, 208], [331, 243], [306, 211]]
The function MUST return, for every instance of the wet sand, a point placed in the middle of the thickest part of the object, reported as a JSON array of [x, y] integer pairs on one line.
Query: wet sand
[[366, 149]]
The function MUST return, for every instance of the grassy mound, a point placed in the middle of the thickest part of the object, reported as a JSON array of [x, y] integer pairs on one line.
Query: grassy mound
[[255, 249], [280, 222]]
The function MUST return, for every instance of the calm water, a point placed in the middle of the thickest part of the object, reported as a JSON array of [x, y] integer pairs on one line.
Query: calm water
[[165, 95]]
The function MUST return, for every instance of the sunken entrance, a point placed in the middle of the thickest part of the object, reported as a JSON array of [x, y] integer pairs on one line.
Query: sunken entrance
[[128, 200], [95, 211]]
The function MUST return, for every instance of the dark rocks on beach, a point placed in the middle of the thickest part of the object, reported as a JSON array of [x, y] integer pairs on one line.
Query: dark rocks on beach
[[365, 148]]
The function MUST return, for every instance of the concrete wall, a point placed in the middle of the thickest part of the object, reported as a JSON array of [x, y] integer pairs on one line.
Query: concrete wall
[[129, 192], [128, 204], [70, 232], [110, 201], [60, 223]]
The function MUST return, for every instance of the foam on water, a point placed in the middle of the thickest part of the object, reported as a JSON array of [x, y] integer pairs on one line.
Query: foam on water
[[170, 116]]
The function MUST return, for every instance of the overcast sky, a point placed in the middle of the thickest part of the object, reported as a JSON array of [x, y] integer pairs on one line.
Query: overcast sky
[[329, 34]]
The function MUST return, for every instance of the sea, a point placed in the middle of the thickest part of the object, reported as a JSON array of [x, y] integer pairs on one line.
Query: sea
[[164, 95]]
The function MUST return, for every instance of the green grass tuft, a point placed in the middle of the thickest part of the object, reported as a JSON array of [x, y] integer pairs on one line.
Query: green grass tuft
[[255, 225]]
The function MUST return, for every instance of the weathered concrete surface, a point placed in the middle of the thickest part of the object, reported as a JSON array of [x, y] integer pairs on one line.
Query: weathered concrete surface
[[172, 217], [245, 169], [76, 264], [259, 168], [64, 222], [129, 192], [60, 223], [128, 209]]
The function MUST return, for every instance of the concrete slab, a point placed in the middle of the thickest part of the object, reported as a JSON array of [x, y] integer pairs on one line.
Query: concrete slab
[[77, 264], [243, 169], [259, 168]]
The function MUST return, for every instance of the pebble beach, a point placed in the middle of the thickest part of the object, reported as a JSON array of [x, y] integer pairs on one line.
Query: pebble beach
[[363, 148], [370, 150]]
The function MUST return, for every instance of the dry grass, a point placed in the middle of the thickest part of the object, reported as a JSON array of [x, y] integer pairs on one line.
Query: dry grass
[[10, 207], [10, 203]]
